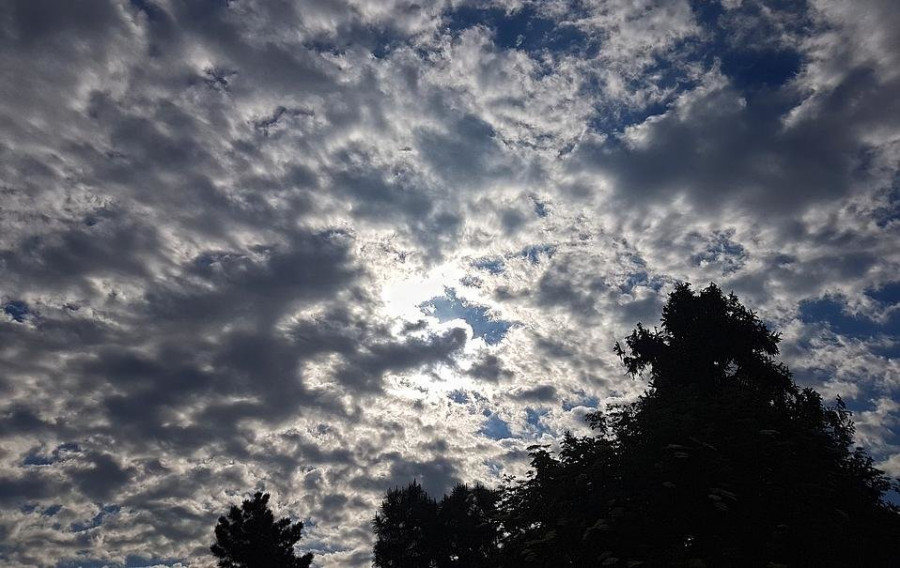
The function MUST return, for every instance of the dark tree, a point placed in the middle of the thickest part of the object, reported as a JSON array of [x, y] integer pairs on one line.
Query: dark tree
[[724, 461], [469, 531], [406, 529], [250, 537], [413, 530]]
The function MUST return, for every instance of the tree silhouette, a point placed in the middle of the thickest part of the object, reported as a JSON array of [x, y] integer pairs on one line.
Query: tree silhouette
[[406, 529], [723, 461], [250, 537], [414, 531], [469, 529]]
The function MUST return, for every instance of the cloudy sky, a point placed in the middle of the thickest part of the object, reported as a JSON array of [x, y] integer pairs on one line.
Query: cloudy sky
[[323, 248]]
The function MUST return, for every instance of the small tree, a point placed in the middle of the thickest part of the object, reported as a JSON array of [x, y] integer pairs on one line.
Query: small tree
[[250, 537]]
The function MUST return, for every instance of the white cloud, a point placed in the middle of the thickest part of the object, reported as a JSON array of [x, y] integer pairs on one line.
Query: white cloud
[[220, 225]]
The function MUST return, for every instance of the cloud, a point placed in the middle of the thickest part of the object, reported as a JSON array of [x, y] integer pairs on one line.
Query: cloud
[[326, 249]]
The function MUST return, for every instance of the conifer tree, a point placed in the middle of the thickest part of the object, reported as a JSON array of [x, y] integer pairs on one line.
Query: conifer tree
[[250, 537]]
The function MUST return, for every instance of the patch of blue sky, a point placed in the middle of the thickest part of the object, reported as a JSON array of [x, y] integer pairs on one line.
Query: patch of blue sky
[[97, 520], [830, 311], [889, 298], [889, 294], [707, 12], [535, 419], [890, 438], [450, 307], [670, 73], [540, 208], [616, 119], [766, 63], [634, 280], [51, 510], [890, 211], [17, 310], [56, 455], [534, 252], [381, 41], [38, 459], [585, 401], [495, 467], [495, 427], [641, 279], [634, 259], [318, 547], [861, 399], [525, 28], [383, 47], [492, 265], [809, 376], [458, 396], [751, 69], [728, 255], [309, 524], [153, 13]]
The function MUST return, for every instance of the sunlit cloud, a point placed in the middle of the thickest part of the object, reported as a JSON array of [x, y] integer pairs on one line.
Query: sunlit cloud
[[325, 248]]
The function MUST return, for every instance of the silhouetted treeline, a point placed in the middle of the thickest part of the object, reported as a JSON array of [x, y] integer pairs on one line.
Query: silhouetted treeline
[[724, 461]]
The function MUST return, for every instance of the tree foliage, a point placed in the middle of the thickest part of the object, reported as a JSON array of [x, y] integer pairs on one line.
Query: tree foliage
[[414, 531], [724, 461], [250, 537]]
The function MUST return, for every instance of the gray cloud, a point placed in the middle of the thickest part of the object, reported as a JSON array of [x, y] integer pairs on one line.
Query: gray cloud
[[222, 220]]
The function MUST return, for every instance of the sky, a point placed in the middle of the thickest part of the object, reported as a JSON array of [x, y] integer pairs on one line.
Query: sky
[[323, 248]]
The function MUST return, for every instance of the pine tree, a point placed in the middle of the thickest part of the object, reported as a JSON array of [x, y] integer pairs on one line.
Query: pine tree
[[250, 537]]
